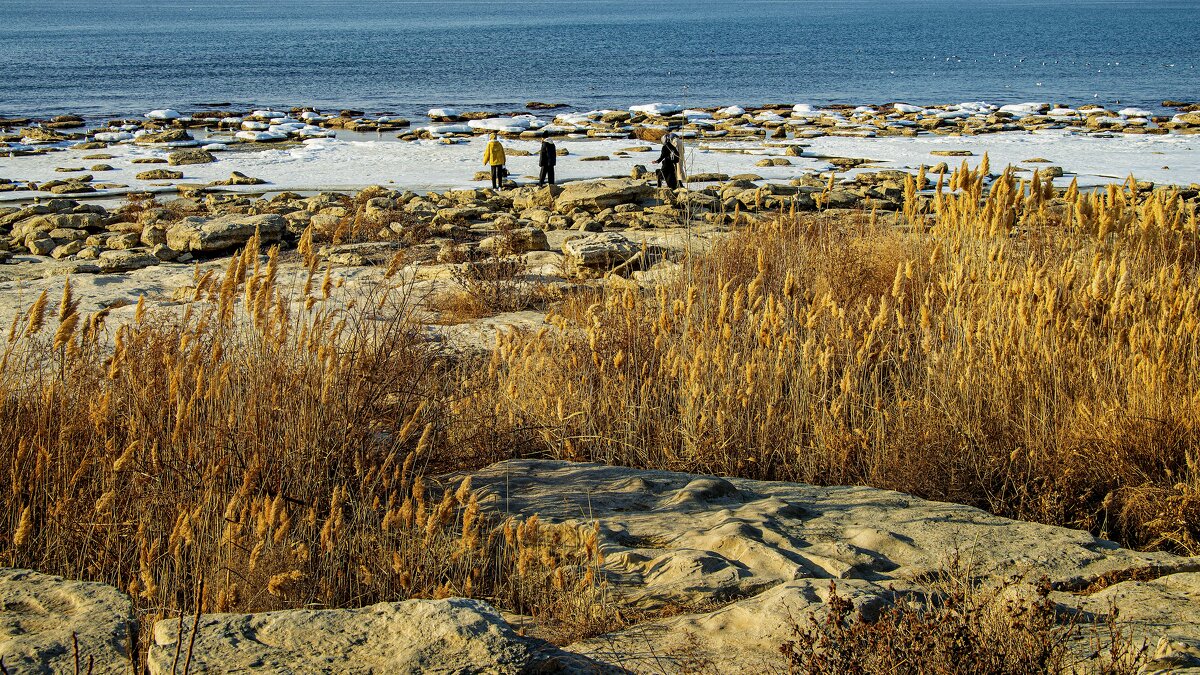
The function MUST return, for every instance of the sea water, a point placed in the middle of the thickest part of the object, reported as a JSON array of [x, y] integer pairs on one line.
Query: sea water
[[109, 57]]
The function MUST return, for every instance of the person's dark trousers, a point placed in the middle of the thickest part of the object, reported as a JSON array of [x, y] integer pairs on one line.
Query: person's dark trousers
[[668, 173], [546, 176], [497, 176]]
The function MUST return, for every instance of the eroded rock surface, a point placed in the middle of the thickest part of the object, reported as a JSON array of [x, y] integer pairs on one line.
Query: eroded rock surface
[[224, 232], [40, 613], [598, 252], [416, 636], [602, 194], [769, 551]]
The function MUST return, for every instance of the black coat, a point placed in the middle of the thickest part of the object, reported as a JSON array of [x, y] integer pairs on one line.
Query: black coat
[[669, 155], [547, 154]]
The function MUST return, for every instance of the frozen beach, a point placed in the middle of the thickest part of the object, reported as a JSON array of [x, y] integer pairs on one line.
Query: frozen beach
[[356, 162]]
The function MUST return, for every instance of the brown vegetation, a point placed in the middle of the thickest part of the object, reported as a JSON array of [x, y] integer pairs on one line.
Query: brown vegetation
[[959, 627], [1031, 353], [265, 457]]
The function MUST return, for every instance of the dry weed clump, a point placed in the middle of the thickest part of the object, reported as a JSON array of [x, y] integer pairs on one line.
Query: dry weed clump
[[959, 627], [1034, 352], [244, 454]]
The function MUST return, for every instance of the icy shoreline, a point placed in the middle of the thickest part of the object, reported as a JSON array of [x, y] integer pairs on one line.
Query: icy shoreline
[[339, 164], [306, 150]]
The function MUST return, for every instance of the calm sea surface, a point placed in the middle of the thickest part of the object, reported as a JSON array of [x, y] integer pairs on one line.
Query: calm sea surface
[[100, 57]]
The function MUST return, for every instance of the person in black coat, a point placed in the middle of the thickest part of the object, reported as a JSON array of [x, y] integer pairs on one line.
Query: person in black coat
[[669, 161], [547, 158]]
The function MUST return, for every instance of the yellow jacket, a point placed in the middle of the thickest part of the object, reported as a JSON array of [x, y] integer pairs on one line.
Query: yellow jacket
[[493, 154]]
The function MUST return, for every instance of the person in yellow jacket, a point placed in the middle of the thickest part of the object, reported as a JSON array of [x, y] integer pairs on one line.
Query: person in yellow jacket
[[493, 156]]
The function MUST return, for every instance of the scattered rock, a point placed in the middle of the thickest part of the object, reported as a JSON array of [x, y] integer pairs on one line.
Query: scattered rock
[[40, 246], [952, 153]]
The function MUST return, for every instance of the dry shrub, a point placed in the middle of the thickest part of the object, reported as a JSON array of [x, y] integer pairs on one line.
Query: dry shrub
[[494, 285], [958, 628], [1034, 354], [243, 455]]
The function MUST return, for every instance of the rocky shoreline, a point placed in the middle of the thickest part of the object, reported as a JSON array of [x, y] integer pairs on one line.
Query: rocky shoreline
[[190, 139]]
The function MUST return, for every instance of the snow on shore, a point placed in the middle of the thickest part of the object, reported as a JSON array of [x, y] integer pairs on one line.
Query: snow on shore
[[347, 163]]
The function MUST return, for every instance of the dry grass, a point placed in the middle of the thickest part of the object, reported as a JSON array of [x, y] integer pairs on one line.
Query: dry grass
[[960, 626], [257, 457], [1034, 354]]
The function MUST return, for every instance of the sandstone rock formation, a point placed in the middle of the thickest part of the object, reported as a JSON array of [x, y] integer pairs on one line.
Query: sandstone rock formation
[[602, 194], [223, 233], [193, 156], [770, 550], [416, 636], [40, 613], [598, 252]]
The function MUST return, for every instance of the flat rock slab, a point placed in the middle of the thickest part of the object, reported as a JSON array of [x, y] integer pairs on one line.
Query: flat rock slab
[[40, 613], [768, 551], [416, 636], [602, 194], [199, 234]]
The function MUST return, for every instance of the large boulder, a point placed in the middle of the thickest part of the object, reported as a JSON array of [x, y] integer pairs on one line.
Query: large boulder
[[42, 135], [159, 174], [193, 156], [239, 178], [416, 636], [602, 194], [115, 262], [531, 197], [43, 617], [674, 540], [598, 252], [168, 136], [206, 235], [519, 240]]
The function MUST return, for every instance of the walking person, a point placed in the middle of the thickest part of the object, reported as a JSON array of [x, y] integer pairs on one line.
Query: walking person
[[668, 160], [547, 158], [493, 156]]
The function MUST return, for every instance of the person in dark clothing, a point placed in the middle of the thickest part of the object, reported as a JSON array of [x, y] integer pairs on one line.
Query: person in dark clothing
[[668, 160], [547, 158]]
